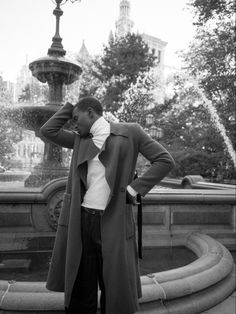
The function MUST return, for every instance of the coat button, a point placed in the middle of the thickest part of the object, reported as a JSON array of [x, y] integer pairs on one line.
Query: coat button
[[122, 189]]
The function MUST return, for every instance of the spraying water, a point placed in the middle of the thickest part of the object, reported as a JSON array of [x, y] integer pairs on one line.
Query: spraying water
[[215, 118]]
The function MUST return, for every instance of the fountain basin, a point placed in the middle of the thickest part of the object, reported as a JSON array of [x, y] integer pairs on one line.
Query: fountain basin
[[28, 221], [31, 117], [55, 68], [193, 288]]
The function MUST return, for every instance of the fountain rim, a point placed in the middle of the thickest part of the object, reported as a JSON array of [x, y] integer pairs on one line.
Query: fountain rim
[[179, 196], [179, 289], [59, 59]]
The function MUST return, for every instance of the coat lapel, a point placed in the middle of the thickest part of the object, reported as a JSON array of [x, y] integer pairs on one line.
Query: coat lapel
[[109, 158], [88, 150]]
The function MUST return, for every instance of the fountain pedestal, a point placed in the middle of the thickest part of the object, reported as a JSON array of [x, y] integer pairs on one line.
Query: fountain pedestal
[[55, 70]]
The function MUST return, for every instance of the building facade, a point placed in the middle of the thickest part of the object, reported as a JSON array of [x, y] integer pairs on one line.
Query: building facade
[[158, 45], [124, 25]]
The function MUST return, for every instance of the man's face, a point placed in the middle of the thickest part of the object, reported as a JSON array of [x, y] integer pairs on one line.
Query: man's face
[[82, 121]]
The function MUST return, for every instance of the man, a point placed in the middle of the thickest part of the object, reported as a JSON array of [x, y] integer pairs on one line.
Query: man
[[96, 239]]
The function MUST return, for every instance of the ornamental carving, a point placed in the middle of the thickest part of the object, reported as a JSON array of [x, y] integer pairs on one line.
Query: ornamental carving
[[54, 209]]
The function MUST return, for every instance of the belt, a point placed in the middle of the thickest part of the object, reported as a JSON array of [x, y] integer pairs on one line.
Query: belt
[[97, 212]]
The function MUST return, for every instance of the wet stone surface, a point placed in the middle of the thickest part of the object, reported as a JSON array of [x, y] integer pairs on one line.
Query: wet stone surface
[[154, 260]]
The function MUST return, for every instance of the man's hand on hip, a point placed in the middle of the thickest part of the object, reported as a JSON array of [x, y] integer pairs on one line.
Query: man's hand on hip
[[131, 196]]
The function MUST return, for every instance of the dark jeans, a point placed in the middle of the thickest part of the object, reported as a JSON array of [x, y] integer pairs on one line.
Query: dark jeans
[[85, 290]]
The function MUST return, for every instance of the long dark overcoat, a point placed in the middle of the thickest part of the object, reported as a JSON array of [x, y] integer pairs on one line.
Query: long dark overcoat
[[118, 234]]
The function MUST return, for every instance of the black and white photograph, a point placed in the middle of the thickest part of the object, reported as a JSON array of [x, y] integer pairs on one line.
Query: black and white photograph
[[117, 157]]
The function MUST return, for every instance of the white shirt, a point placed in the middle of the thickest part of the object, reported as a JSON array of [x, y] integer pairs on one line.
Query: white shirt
[[98, 190]]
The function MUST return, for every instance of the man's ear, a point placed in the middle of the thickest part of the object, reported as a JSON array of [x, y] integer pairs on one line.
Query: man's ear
[[90, 112]]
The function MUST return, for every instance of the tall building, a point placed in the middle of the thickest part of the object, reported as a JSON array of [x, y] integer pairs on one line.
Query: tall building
[[23, 78], [124, 24]]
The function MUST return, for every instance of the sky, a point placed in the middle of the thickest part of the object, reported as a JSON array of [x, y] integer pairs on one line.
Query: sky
[[27, 27]]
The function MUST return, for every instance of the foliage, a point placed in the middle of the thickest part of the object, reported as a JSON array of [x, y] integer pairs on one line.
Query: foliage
[[121, 78], [128, 56], [211, 56], [5, 97], [123, 61], [189, 132], [10, 134], [199, 123], [135, 100], [207, 10], [87, 84]]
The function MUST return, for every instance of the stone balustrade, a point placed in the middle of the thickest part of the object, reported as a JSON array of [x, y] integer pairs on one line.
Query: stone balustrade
[[28, 217]]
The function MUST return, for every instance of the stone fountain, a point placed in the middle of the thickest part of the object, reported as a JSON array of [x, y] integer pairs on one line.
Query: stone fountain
[[55, 70]]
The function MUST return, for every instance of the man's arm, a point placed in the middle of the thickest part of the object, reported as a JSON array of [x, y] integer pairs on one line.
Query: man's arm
[[53, 131], [160, 159]]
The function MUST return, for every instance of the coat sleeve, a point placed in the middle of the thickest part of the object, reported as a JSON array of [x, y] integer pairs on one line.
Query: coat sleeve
[[53, 131], [160, 159]]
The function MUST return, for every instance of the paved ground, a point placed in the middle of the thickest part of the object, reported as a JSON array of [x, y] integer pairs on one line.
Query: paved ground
[[226, 307]]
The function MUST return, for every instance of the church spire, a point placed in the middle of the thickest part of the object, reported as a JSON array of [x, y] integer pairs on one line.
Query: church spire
[[124, 24], [83, 53], [111, 37]]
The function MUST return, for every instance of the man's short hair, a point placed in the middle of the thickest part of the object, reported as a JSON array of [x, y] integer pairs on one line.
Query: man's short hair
[[89, 101]]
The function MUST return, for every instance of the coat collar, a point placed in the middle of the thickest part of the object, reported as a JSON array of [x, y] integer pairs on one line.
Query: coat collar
[[119, 129]]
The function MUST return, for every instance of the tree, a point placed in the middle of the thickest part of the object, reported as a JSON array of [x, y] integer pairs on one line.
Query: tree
[[122, 62], [9, 132], [204, 129], [87, 84], [5, 97], [120, 77], [190, 133], [128, 56], [211, 56], [208, 10], [135, 100]]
